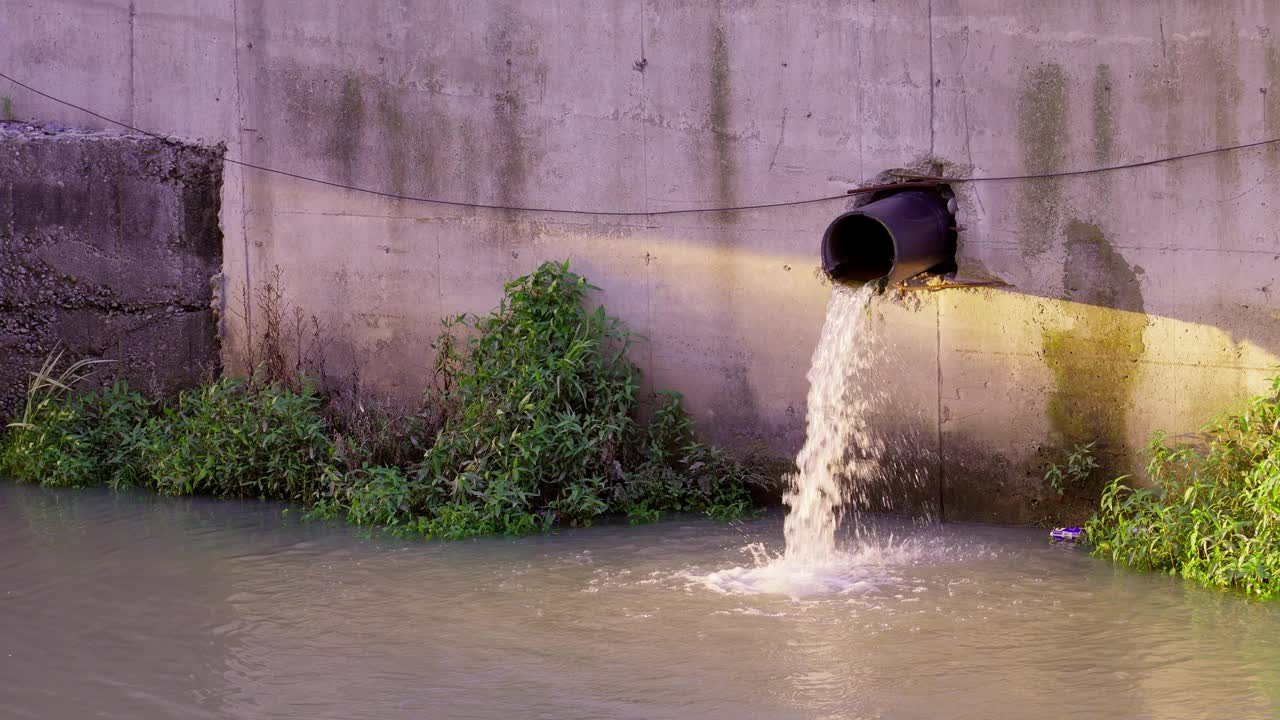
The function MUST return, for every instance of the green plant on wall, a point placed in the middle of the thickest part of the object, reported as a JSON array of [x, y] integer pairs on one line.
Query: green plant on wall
[[1077, 466], [6, 108]]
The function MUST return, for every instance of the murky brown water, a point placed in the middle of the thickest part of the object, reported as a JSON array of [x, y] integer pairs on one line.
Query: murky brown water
[[130, 606]]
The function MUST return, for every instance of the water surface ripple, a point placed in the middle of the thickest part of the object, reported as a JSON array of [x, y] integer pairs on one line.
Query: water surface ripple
[[133, 606]]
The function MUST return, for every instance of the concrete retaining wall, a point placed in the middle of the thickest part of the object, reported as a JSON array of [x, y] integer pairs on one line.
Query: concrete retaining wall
[[1134, 300], [108, 244]]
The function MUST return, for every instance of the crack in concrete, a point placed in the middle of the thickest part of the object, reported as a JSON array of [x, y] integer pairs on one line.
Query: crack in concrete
[[782, 134]]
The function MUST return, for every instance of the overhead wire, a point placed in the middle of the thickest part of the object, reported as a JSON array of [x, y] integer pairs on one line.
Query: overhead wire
[[911, 179], [1087, 171]]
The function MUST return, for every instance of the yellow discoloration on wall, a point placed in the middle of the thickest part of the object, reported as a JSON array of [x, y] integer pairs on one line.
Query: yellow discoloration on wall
[[1095, 357]]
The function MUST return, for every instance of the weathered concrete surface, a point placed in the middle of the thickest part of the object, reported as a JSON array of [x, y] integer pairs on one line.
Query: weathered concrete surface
[[1135, 300], [108, 245]]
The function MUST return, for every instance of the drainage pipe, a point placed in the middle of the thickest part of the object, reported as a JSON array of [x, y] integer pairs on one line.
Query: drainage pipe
[[891, 239]]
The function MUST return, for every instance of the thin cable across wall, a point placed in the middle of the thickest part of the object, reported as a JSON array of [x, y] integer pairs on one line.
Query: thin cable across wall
[[909, 179]]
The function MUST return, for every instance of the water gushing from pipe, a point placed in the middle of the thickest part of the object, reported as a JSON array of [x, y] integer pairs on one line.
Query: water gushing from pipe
[[851, 461], [842, 452]]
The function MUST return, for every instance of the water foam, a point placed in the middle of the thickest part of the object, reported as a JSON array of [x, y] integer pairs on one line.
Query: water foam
[[868, 565]]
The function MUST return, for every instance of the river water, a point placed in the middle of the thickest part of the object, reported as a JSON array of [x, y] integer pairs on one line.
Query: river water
[[134, 606]]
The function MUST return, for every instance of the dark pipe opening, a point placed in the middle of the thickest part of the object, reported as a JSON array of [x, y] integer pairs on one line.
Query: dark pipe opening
[[892, 238], [857, 248]]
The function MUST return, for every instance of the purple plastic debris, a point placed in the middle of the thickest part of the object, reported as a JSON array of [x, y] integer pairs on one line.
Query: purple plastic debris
[[1066, 534]]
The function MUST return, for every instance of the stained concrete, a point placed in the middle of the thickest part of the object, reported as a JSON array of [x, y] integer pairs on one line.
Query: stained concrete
[[108, 246], [646, 105]]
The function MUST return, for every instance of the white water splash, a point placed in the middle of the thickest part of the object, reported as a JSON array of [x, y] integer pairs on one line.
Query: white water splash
[[843, 462], [875, 564]]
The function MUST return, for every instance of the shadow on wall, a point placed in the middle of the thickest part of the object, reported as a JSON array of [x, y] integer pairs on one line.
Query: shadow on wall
[[1025, 376]]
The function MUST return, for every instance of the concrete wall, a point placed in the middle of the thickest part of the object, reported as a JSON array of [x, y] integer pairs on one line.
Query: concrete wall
[[107, 248], [1135, 300]]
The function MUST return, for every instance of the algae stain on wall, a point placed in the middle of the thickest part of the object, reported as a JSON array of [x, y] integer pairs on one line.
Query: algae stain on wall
[[1271, 99], [1042, 132], [721, 109], [510, 135], [1096, 358], [735, 401], [1103, 116], [394, 138], [1227, 94], [348, 128]]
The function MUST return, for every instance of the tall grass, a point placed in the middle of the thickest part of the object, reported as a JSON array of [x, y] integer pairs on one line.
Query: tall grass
[[1212, 513], [223, 439]]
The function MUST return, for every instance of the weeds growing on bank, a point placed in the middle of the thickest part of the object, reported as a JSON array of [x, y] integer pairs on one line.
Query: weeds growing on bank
[[540, 430], [1212, 513], [531, 423], [226, 439]]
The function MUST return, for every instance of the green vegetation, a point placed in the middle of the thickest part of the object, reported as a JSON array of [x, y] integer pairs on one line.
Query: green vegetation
[[539, 430], [1077, 466], [1213, 511], [232, 440], [531, 424], [224, 439], [675, 472]]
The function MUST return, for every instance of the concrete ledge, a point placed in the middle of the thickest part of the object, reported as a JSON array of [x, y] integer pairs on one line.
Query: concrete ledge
[[107, 244]]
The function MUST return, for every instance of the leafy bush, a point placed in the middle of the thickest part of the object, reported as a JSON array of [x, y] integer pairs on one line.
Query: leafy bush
[[540, 430], [1213, 511], [229, 440], [370, 495], [675, 472], [543, 398], [224, 439], [113, 425]]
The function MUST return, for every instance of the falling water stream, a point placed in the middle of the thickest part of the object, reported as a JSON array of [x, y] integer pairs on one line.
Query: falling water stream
[[842, 452]]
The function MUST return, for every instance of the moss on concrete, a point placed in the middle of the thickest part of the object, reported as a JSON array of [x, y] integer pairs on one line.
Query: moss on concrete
[[1042, 132]]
